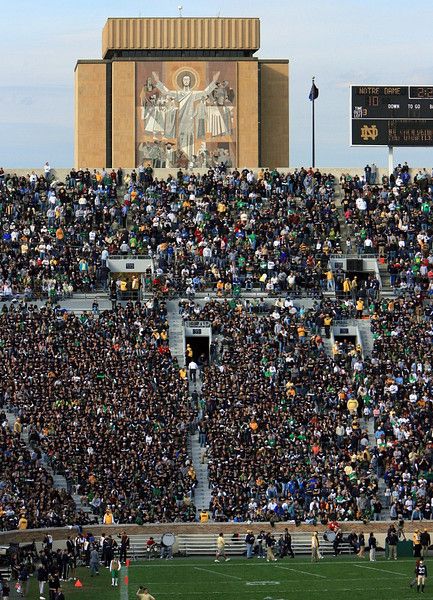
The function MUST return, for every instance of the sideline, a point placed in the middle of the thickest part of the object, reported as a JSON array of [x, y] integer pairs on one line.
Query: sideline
[[124, 583]]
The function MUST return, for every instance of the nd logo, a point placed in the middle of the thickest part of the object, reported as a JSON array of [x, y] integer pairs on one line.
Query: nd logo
[[369, 132]]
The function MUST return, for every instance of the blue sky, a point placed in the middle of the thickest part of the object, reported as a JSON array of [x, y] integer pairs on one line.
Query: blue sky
[[338, 41]]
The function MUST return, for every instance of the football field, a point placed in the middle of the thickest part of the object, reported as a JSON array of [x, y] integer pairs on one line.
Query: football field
[[241, 579]]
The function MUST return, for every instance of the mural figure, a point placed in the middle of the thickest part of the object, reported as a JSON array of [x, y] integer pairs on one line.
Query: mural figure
[[186, 100], [186, 126]]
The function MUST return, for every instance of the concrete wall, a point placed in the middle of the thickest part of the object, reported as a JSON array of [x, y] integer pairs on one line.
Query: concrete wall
[[129, 265], [90, 115], [274, 111], [61, 173], [379, 528]]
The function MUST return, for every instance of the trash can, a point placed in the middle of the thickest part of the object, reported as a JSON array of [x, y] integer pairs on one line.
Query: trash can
[[404, 548]]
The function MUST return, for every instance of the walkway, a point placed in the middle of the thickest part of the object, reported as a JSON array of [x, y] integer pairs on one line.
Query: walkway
[[202, 496]]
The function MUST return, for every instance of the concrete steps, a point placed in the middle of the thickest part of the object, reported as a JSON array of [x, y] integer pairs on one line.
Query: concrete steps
[[202, 496], [203, 544], [175, 332], [381, 482], [202, 492], [367, 341], [327, 344], [387, 290]]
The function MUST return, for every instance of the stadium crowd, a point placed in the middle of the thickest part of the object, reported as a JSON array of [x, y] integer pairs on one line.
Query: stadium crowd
[[282, 443], [219, 230], [283, 423], [400, 392], [394, 221], [101, 399], [230, 231], [55, 238], [27, 496]]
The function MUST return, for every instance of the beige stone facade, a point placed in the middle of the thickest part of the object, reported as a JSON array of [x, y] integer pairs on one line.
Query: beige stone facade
[[90, 115], [123, 113], [274, 102], [183, 92]]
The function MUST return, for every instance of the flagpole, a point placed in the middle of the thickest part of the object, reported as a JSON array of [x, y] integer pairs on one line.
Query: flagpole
[[313, 137]]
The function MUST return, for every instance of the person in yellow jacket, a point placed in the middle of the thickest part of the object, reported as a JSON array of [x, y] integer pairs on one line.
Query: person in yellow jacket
[[23, 523], [359, 308], [416, 541], [327, 322], [301, 333], [330, 283], [346, 286], [108, 517], [18, 427]]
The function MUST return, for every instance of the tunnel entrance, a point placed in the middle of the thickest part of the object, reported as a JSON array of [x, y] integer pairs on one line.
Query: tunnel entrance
[[200, 349]]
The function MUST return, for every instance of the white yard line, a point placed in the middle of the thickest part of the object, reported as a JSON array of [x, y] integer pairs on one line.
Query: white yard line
[[172, 594], [285, 593], [300, 571], [382, 570], [217, 573]]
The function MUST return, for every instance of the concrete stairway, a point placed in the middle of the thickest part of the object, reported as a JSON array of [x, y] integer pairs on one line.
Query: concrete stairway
[[175, 332], [345, 230], [381, 482], [327, 345], [366, 336], [387, 291], [202, 494]]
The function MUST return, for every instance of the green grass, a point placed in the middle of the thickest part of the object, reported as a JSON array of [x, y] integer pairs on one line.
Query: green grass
[[239, 579]]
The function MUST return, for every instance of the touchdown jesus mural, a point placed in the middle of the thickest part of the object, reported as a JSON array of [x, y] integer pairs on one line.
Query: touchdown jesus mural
[[186, 114]]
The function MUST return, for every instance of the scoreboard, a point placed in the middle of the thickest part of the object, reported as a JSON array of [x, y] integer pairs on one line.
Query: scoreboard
[[391, 115]]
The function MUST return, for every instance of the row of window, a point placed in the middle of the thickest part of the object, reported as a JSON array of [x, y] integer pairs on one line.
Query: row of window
[[178, 53]]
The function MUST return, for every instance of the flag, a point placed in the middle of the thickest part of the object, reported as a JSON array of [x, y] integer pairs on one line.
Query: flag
[[314, 92]]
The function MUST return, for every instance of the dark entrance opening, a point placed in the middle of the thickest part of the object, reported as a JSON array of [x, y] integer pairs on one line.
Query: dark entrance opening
[[355, 266], [348, 342], [200, 348], [361, 276]]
